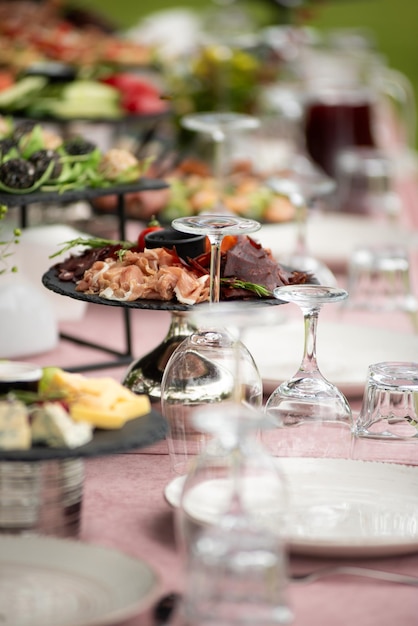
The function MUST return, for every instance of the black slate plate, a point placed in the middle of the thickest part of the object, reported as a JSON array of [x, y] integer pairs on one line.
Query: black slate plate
[[53, 283], [137, 433], [87, 193]]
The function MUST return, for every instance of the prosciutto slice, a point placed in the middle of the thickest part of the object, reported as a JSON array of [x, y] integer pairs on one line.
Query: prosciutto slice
[[155, 274]]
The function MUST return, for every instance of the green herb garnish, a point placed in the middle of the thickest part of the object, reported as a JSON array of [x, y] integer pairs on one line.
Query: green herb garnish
[[236, 283], [91, 242]]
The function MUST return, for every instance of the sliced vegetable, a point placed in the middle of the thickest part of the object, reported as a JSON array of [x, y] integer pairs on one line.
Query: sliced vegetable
[[152, 226]]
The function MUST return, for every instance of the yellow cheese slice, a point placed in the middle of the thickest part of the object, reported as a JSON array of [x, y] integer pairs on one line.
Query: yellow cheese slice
[[111, 415], [103, 402]]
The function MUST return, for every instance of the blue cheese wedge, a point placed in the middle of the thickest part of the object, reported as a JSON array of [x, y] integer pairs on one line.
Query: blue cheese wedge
[[15, 432], [52, 426]]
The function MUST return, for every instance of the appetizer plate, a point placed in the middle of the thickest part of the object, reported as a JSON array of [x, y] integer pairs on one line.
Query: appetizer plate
[[332, 237], [52, 282], [137, 433], [344, 352], [60, 582], [337, 508]]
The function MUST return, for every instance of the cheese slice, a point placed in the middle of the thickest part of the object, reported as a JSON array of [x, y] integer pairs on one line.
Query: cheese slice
[[52, 426], [14, 426], [110, 414], [103, 402]]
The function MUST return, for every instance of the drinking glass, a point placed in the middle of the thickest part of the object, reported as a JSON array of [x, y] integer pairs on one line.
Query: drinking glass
[[312, 416], [304, 184], [202, 368], [231, 524], [220, 126], [386, 428], [379, 281], [215, 227]]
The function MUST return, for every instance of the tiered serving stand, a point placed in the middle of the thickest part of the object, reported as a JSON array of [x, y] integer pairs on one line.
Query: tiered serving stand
[[41, 489], [23, 202]]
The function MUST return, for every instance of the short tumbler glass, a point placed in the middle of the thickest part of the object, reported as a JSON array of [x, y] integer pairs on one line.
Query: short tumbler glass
[[387, 426]]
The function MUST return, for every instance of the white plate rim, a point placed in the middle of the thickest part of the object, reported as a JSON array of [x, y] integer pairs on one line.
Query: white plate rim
[[399, 346], [321, 230], [50, 552], [366, 548]]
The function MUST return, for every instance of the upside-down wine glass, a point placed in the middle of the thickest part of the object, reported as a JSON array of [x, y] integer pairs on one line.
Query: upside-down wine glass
[[219, 126], [231, 524], [215, 227], [202, 368], [312, 416], [304, 184]]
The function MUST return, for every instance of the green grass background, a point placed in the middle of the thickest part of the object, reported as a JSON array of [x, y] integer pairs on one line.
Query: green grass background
[[393, 22]]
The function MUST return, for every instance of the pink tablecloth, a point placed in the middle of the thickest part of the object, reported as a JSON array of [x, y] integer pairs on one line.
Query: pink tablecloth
[[124, 506]]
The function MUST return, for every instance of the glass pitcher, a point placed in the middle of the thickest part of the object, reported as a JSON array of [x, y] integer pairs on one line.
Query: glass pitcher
[[352, 98]]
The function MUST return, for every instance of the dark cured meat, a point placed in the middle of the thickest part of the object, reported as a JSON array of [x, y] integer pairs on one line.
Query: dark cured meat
[[250, 262], [73, 268]]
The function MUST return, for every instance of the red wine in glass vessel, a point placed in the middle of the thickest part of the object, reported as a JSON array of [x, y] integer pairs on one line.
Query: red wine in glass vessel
[[335, 123]]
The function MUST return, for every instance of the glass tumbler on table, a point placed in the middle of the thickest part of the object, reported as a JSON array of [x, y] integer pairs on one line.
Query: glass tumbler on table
[[386, 428]]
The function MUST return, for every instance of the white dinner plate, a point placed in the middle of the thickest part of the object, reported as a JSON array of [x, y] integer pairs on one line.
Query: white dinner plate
[[61, 582], [344, 352], [332, 237], [337, 507]]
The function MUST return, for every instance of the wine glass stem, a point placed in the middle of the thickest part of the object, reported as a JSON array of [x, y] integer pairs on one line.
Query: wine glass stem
[[301, 219], [219, 139], [215, 269], [309, 362]]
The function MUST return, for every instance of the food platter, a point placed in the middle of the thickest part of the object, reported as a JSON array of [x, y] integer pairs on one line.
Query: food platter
[[137, 433], [51, 281]]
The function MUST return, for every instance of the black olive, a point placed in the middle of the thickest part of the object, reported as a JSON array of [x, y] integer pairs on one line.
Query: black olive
[[41, 160], [78, 146], [6, 145], [17, 174]]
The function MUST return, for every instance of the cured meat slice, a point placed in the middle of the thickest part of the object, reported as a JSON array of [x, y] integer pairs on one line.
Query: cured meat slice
[[152, 274]]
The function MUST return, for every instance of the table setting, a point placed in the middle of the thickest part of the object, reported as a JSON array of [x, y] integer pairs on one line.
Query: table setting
[[272, 476]]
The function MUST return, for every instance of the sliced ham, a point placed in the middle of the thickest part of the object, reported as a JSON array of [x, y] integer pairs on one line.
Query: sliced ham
[[153, 274]]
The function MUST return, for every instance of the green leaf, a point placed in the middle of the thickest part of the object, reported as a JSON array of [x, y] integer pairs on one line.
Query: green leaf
[[91, 242]]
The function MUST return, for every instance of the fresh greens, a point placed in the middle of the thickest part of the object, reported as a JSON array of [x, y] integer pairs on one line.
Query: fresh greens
[[87, 169], [236, 283], [91, 242]]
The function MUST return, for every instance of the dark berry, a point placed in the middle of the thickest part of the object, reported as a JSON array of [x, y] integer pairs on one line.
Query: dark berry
[[17, 174], [78, 146], [41, 160]]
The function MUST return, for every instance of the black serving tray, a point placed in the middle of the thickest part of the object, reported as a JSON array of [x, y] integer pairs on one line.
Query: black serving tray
[[68, 288], [137, 433], [87, 193]]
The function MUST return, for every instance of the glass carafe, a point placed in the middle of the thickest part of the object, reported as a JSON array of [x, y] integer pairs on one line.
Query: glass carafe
[[352, 98]]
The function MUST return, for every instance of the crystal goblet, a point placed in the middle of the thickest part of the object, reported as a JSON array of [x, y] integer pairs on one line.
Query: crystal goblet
[[313, 417], [304, 184], [231, 524]]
